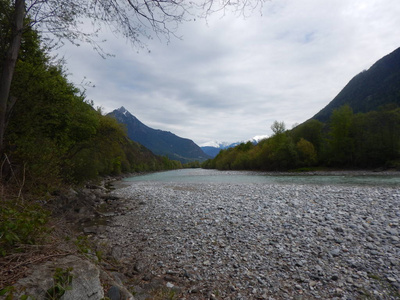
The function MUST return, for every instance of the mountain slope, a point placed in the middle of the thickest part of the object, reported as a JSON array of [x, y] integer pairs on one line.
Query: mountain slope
[[378, 86], [158, 141], [211, 151]]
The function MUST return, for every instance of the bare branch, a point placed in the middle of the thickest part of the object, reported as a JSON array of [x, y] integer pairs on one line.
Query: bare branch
[[134, 19]]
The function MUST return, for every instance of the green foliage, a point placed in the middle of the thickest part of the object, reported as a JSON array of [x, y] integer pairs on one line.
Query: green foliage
[[21, 223], [86, 247], [8, 292], [363, 140], [5, 28], [55, 136], [376, 138], [83, 245], [62, 282], [369, 90], [192, 165], [341, 143], [307, 153], [312, 131], [238, 158], [278, 153]]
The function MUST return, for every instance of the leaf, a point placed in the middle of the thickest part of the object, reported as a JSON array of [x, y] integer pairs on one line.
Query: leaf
[[4, 291]]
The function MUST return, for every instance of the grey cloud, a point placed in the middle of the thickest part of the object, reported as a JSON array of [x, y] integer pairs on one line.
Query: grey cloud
[[231, 78]]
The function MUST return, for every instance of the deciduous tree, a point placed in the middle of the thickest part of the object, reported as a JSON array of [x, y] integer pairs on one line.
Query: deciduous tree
[[342, 146]]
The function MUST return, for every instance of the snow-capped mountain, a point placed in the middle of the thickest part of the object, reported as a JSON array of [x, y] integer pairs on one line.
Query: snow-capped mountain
[[216, 144], [212, 148], [258, 138]]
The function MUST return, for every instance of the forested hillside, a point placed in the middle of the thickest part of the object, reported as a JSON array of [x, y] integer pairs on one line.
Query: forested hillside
[[348, 140], [359, 128], [369, 90], [54, 139], [160, 142], [55, 136]]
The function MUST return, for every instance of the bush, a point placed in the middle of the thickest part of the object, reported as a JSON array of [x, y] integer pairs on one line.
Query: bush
[[20, 224]]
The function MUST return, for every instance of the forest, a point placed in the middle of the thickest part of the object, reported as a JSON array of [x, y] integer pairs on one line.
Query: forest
[[368, 140], [56, 136], [54, 139]]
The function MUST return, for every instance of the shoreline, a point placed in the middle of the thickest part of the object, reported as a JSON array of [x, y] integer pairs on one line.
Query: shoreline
[[121, 182]]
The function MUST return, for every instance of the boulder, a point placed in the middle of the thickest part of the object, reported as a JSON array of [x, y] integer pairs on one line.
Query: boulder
[[77, 277]]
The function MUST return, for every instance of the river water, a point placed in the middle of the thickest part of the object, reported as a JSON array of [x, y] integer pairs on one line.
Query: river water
[[238, 177]]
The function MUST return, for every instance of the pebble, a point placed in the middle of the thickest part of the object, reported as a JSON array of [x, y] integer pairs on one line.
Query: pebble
[[263, 241]]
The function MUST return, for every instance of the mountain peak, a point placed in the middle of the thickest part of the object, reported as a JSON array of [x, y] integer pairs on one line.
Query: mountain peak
[[158, 141], [123, 110]]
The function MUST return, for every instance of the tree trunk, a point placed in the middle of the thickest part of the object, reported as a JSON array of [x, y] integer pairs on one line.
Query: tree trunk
[[9, 66]]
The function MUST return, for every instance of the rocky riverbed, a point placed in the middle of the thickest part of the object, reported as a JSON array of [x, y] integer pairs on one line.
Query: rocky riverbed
[[259, 241]]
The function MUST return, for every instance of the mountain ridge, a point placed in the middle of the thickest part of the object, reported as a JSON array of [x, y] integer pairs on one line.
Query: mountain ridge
[[370, 89], [158, 141]]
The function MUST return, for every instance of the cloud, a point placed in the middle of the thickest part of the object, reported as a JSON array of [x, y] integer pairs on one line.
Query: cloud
[[229, 78]]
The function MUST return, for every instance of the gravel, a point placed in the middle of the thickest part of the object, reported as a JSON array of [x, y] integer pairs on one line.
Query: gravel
[[260, 241]]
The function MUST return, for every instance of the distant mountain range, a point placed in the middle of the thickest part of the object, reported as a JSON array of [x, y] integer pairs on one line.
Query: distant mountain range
[[213, 148], [159, 142], [369, 90]]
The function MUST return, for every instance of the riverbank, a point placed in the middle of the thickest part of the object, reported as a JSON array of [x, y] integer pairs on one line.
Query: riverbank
[[67, 263], [260, 241], [227, 240]]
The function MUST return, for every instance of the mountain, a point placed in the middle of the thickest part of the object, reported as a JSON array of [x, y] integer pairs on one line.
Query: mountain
[[369, 90], [158, 141], [214, 147]]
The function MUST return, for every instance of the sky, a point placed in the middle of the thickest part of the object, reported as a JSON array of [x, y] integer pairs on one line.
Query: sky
[[229, 78]]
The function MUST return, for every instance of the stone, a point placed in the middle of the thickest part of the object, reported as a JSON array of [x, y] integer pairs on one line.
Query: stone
[[335, 252], [114, 293], [278, 240], [334, 277], [85, 279]]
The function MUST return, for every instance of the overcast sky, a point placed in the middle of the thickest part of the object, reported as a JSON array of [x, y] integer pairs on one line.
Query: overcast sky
[[230, 78]]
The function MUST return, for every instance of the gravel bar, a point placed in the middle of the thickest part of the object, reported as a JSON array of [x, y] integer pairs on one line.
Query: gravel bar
[[261, 241]]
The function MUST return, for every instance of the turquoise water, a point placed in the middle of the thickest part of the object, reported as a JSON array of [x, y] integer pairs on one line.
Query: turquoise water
[[214, 176]]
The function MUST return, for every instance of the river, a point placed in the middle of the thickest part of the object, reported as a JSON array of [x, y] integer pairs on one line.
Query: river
[[215, 176]]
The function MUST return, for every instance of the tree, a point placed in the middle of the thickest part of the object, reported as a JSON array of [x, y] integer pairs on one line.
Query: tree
[[9, 60], [307, 153], [376, 137], [278, 127], [311, 131], [342, 146], [65, 20]]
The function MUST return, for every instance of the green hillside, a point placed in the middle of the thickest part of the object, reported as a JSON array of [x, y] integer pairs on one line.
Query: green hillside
[[369, 90], [158, 141], [360, 128], [55, 136]]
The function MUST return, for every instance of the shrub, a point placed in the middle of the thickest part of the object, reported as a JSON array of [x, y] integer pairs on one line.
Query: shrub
[[20, 224]]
